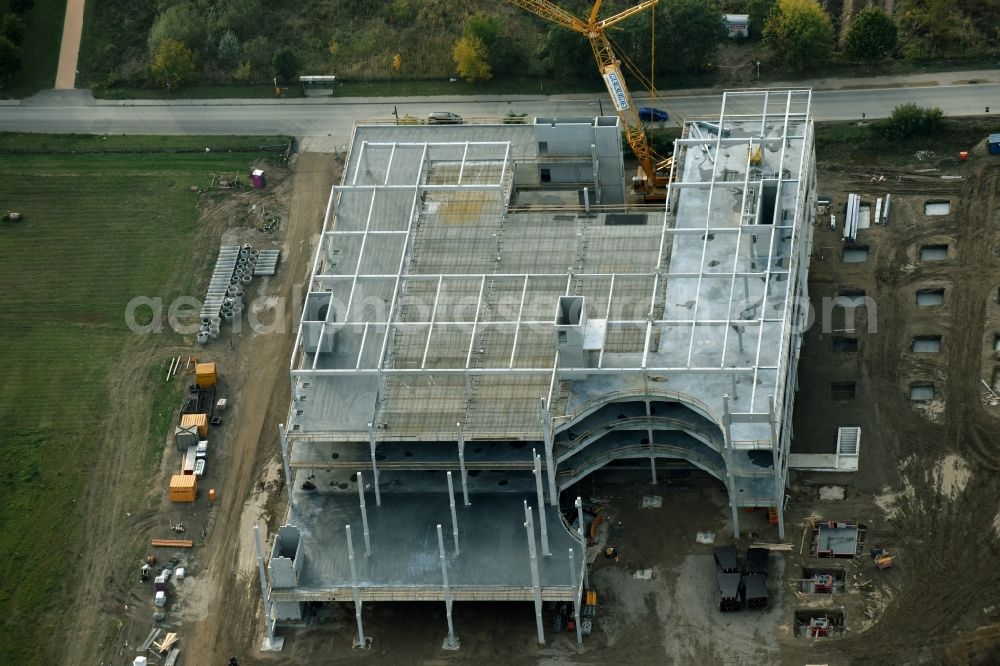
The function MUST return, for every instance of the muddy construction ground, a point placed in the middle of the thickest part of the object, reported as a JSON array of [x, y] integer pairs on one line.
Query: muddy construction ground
[[927, 489]]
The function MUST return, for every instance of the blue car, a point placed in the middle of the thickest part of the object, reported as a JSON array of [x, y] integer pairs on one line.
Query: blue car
[[648, 113]]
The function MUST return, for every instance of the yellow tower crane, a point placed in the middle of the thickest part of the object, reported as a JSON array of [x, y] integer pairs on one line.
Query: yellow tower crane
[[654, 170]]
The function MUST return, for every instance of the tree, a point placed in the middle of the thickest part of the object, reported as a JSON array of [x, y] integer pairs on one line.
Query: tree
[[286, 64], [758, 12], [932, 27], [173, 63], [397, 63], [229, 48], [871, 37], [21, 6], [568, 53], [10, 59], [181, 23], [470, 60], [688, 33], [799, 33], [14, 28], [241, 17], [909, 120], [257, 52], [401, 13], [502, 50]]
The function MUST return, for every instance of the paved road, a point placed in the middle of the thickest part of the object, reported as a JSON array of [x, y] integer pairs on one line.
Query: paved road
[[74, 111]]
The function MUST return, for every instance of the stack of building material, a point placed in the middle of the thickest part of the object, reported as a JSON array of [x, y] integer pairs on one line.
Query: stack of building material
[[221, 276], [725, 559], [851, 218], [756, 591], [731, 591], [267, 262], [756, 562]]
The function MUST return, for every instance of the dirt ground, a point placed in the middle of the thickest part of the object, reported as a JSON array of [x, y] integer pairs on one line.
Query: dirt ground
[[927, 488], [213, 607]]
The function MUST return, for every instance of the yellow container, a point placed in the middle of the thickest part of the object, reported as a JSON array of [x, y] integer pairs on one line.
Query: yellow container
[[183, 488], [199, 421], [204, 374]]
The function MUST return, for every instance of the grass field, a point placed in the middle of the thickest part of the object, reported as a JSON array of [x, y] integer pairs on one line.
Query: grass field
[[99, 229], [41, 49], [861, 143]]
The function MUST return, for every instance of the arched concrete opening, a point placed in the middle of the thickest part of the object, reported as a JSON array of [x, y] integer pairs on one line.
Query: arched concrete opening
[[663, 425]]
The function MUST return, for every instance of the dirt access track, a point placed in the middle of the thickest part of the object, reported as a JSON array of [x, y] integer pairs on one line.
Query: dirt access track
[[213, 609]]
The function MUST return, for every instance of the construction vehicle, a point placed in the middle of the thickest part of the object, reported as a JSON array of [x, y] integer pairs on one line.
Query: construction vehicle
[[654, 171], [881, 558]]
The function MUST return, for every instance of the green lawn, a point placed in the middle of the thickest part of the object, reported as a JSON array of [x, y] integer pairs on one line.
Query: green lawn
[[41, 49], [99, 229]]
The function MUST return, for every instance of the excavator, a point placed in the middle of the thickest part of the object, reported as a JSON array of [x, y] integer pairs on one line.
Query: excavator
[[654, 171]]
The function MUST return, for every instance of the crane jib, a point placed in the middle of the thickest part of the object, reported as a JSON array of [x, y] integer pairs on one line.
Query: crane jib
[[613, 80]]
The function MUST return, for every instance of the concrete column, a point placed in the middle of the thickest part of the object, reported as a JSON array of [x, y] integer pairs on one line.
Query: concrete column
[[371, 443], [727, 455], [451, 642], [550, 465], [529, 526], [576, 597], [360, 641], [461, 465], [284, 458], [583, 539], [454, 515], [779, 467], [652, 467], [364, 514], [541, 503]]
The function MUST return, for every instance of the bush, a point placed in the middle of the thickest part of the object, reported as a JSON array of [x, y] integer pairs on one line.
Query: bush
[[14, 28], [909, 120], [286, 65], [10, 59]]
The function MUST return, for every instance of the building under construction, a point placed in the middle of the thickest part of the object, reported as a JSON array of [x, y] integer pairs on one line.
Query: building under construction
[[489, 321]]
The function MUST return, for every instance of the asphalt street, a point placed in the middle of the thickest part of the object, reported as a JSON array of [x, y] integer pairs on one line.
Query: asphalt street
[[77, 112]]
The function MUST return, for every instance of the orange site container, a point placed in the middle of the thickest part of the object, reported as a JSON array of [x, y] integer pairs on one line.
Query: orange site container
[[183, 488], [204, 374], [200, 421]]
